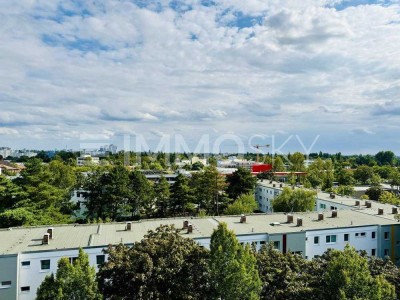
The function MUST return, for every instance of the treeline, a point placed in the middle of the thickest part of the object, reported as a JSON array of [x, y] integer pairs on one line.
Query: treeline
[[166, 265], [119, 193], [42, 193]]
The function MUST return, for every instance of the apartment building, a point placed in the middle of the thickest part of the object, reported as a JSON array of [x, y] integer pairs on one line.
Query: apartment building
[[28, 255]]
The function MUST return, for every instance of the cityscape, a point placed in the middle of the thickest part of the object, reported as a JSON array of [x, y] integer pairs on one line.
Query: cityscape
[[200, 149]]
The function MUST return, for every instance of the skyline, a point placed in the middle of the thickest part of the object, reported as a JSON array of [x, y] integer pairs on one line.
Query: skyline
[[74, 73]]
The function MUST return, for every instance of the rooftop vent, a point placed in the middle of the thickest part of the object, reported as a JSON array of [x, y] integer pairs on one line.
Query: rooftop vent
[[274, 185], [190, 228], [332, 195], [281, 185], [46, 239], [185, 224], [357, 203], [242, 219], [289, 218], [270, 181], [299, 222], [334, 213], [368, 204], [380, 211], [394, 210], [128, 226], [50, 231], [320, 217]]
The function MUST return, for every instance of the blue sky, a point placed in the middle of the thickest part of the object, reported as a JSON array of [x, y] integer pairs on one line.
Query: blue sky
[[75, 72]]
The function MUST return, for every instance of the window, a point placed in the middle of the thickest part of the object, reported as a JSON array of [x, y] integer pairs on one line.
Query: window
[[362, 234], [100, 259], [25, 288], [277, 245], [72, 260], [323, 206], [262, 242], [386, 235], [357, 234], [386, 252], [45, 264], [5, 284], [26, 263], [373, 252], [373, 234], [330, 239], [346, 237], [316, 239]]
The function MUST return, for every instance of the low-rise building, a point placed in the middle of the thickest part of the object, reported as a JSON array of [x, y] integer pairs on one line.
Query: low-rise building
[[28, 255]]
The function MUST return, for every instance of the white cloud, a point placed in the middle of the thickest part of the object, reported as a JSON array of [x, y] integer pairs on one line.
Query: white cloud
[[115, 66]]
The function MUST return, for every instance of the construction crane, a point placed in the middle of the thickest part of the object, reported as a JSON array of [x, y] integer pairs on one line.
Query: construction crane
[[258, 147]]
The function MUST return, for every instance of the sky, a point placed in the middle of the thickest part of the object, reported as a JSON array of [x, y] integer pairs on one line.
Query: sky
[[315, 75]]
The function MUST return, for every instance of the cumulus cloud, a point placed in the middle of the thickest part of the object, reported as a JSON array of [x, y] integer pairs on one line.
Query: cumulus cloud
[[71, 70]]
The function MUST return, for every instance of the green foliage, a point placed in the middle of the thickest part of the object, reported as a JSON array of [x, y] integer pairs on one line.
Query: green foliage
[[17, 217], [296, 200], [72, 281], [207, 185], [278, 165], [181, 195], [164, 265], [363, 174], [385, 158], [162, 195], [141, 194], [388, 197], [240, 182], [345, 190], [285, 276], [244, 204], [297, 162], [347, 276], [364, 197], [233, 268], [374, 193]]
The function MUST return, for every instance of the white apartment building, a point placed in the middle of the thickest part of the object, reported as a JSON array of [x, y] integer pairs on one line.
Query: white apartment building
[[26, 258]]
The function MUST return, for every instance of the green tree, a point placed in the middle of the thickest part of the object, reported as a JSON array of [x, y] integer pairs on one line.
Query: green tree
[[240, 182], [328, 175], [374, 193], [244, 204], [162, 196], [181, 195], [141, 194], [385, 158], [233, 267], [164, 265], [297, 162], [363, 174], [315, 173], [207, 185], [345, 190], [72, 281], [388, 197], [296, 200], [347, 276], [286, 276], [278, 165]]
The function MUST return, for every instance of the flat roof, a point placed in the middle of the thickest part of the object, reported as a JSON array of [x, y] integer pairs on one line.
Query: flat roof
[[29, 239]]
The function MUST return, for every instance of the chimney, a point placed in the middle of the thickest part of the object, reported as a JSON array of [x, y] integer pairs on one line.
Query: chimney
[[50, 231], [289, 218], [190, 228], [280, 185], [368, 204], [299, 222], [394, 210], [334, 213], [270, 181], [357, 203], [273, 185], [46, 239], [128, 226], [380, 211], [242, 219], [185, 224], [332, 195], [320, 217]]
